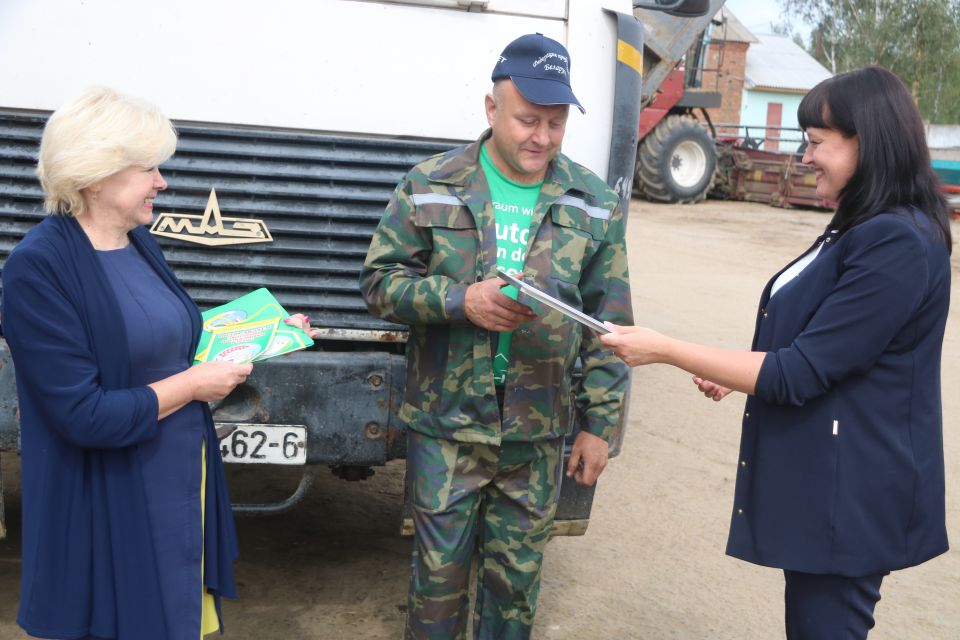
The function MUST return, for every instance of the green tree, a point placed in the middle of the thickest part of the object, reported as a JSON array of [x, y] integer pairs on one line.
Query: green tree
[[919, 40]]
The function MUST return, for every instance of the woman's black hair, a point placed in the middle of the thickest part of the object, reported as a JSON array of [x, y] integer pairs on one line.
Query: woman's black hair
[[893, 169]]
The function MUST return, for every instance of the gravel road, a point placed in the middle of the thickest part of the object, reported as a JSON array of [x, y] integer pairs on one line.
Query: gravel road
[[651, 564]]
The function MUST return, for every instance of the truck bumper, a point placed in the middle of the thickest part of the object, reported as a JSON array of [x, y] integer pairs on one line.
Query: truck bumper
[[347, 401]]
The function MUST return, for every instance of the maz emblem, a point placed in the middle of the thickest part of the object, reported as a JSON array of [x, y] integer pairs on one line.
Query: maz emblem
[[211, 229]]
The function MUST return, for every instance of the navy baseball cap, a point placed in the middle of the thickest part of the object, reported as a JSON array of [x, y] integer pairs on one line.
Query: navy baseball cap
[[539, 68]]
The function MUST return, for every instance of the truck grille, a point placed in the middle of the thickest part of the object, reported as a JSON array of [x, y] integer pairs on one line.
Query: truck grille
[[320, 196]]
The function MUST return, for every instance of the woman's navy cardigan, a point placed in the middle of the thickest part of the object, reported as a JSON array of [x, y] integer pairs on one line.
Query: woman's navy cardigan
[[88, 559]]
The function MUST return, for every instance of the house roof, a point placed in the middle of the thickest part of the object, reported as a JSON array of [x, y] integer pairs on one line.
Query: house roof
[[735, 31], [778, 63]]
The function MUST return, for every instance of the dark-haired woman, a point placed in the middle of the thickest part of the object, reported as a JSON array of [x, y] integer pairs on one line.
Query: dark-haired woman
[[840, 477]]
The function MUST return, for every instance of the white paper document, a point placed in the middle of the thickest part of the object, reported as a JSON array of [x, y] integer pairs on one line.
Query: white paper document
[[553, 303]]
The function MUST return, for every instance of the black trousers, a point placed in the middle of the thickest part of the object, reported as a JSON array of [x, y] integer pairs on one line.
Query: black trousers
[[829, 607]]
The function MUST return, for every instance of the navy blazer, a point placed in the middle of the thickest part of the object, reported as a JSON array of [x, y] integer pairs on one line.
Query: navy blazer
[[841, 456], [88, 560]]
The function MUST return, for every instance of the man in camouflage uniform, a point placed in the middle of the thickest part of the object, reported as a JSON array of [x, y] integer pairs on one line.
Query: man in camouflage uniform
[[485, 455]]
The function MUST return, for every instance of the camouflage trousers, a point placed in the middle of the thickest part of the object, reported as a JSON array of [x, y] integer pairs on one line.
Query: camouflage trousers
[[495, 503]]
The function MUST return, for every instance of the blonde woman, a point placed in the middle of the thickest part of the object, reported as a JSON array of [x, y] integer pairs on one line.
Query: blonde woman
[[127, 528]]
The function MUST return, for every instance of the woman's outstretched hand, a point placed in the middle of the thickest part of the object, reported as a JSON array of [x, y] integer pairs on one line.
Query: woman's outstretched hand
[[737, 370], [634, 345]]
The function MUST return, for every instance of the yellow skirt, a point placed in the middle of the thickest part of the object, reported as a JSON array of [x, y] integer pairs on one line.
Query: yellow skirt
[[209, 621]]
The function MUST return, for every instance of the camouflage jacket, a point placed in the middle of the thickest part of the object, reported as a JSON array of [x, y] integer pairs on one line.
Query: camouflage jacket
[[437, 237]]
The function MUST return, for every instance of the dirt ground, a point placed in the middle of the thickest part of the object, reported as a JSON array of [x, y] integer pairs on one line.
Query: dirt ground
[[651, 564]]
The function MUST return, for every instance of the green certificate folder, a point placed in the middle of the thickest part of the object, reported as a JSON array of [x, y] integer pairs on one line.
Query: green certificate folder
[[248, 329]]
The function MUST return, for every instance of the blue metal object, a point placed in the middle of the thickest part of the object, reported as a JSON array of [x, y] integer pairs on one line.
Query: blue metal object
[[947, 170]]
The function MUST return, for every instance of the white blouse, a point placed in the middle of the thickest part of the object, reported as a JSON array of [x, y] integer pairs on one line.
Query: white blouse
[[794, 270]]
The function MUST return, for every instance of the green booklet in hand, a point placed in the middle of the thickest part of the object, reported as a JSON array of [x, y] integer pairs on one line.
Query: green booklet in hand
[[248, 329]]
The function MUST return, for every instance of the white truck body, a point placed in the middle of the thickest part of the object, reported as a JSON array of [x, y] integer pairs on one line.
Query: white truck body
[[416, 69], [303, 114]]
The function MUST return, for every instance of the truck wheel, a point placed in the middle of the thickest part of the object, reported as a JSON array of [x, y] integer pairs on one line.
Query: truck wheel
[[676, 161]]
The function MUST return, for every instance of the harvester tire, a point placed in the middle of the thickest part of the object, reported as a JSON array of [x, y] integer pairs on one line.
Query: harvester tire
[[676, 161]]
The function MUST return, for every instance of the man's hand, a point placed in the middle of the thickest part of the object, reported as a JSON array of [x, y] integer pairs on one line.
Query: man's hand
[[489, 308], [588, 458]]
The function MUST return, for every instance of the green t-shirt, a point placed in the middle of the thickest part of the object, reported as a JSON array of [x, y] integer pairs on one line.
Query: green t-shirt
[[513, 203]]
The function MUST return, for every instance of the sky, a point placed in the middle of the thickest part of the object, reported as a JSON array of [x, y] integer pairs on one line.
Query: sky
[[759, 15]]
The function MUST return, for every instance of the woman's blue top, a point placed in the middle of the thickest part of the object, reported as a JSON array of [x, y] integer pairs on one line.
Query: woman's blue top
[[158, 336]]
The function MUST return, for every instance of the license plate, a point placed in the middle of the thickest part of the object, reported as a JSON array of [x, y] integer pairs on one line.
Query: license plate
[[265, 444]]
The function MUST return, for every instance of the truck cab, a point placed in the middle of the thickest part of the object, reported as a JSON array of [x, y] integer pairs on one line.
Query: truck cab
[[302, 116]]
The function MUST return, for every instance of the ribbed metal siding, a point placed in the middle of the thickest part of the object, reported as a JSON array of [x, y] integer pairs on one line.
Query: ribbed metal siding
[[320, 195]]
